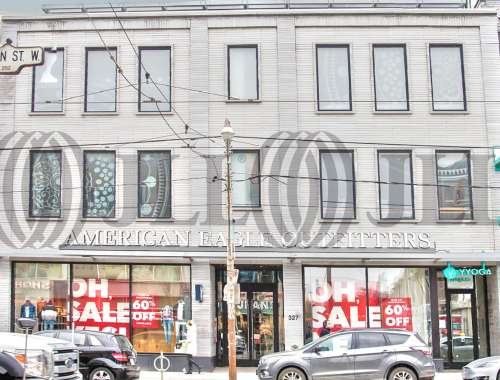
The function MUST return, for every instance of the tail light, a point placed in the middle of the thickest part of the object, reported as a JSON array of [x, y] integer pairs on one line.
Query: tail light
[[120, 357], [426, 351]]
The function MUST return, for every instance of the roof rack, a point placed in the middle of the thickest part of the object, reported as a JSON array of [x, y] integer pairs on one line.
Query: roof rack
[[208, 5]]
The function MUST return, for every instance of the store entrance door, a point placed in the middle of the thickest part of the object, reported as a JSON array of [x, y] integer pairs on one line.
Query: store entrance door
[[461, 345]]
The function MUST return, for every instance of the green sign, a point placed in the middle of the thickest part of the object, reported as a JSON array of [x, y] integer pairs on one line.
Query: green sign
[[451, 272]]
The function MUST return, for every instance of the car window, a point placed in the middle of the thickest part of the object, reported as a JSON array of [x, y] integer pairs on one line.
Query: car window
[[51, 334], [123, 343], [336, 343], [369, 339], [93, 341], [67, 335], [397, 338]]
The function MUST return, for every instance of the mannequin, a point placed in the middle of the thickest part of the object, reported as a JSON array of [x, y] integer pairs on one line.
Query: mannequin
[[49, 315], [28, 310], [167, 317], [192, 346]]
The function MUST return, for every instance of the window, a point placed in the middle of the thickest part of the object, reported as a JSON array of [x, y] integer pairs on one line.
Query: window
[[395, 339], [48, 79], [246, 178], [243, 68], [99, 184], [369, 340], [336, 343], [154, 185], [93, 341], [45, 184], [454, 185], [338, 200], [390, 78], [68, 336], [154, 61], [100, 80], [447, 78], [395, 185], [160, 291], [333, 76]]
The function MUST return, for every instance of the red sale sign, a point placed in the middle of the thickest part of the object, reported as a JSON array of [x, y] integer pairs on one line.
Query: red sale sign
[[396, 313], [145, 312]]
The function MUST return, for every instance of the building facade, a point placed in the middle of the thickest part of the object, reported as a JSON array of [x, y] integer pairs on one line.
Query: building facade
[[364, 187]]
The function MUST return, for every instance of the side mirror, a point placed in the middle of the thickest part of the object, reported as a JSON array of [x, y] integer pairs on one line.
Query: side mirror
[[317, 350], [294, 347], [26, 323]]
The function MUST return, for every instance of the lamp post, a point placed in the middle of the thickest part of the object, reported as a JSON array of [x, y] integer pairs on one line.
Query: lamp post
[[227, 134]]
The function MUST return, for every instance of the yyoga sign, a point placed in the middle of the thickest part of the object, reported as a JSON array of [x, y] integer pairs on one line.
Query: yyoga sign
[[452, 273]]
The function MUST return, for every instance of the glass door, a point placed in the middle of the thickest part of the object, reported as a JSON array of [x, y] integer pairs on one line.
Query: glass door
[[262, 318]]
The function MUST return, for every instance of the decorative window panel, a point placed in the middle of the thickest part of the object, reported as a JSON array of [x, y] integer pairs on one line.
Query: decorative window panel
[[100, 80], [243, 72], [246, 180], [154, 185], [155, 92], [99, 185], [48, 82], [45, 184]]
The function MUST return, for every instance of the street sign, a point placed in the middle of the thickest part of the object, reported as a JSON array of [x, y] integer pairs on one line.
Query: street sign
[[13, 59]]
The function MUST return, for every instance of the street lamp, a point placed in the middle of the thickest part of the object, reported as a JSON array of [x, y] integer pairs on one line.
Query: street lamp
[[227, 134]]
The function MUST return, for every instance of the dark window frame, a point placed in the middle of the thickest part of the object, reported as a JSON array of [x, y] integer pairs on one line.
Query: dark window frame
[[139, 153], [461, 48], [410, 154], [84, 216], [405, 56], [140, 68], [255, 151], [237, 46], [33, 83], [348, 50], [354, 201], [30, 212], [107, 50], [469, 168]]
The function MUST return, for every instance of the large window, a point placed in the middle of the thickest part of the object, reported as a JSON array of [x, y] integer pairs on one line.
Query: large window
[[337, 298], [45, 184], [154, 86], [447, 77], [154, 184], [243, 72], [99, 184], [338, 199], [41, 292], [161, 306], [390, 78], [100, 80], [395, 185], [246, 180], [48, 82], [454, 185], [333, 76]]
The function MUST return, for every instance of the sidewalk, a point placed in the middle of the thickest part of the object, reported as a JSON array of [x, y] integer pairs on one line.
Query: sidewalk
[[249, 374]]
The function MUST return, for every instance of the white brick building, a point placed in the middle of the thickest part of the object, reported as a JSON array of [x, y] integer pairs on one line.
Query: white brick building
[[374, 237]]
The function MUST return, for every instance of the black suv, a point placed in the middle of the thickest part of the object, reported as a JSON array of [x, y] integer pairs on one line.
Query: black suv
[[103, 356]]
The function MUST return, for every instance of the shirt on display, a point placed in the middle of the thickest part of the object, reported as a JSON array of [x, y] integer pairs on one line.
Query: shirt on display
[[167, 312], [180, 311]]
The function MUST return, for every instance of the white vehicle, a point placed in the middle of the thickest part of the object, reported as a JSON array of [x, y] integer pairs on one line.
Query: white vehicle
[[47, 358], [484, 369]]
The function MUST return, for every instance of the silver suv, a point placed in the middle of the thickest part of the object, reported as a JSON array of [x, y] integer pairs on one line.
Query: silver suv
[[364, 354]]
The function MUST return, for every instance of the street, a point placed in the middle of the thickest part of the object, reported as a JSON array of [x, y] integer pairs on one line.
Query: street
[[249, 374]]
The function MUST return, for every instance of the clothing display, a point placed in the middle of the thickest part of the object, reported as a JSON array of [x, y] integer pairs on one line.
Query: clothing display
[[49, 316], [180, 310], [167, 316], [28, 310]]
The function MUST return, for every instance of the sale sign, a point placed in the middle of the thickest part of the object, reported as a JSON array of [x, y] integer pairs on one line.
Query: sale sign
[[145, 312], [396, 313]]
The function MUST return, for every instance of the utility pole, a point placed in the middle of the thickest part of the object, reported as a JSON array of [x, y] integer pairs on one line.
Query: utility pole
[[232, 275]]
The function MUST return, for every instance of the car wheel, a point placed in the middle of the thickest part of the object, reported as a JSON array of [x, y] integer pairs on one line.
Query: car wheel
[[402, 373], [101, 373], [292, 373]]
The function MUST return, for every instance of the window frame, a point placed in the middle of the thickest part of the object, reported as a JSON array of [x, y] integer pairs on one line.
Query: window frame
[[354, 200], [405, 57], [410, 154], [84, 216], [139, 77], [257, 68], [462, 65], [30, 211], [33, 82], [107, 50], [469, 168], [318, 100], [254, 151], [139, 153]]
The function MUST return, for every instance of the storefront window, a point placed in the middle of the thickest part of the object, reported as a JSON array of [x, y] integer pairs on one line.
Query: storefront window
[[161, 307], [401, 299], [101, 297], [41, 292]]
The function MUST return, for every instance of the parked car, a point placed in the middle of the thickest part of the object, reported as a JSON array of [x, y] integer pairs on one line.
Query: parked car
[[463, 348], [46, 358], [103, 356], [486, 368], [365, 354]]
